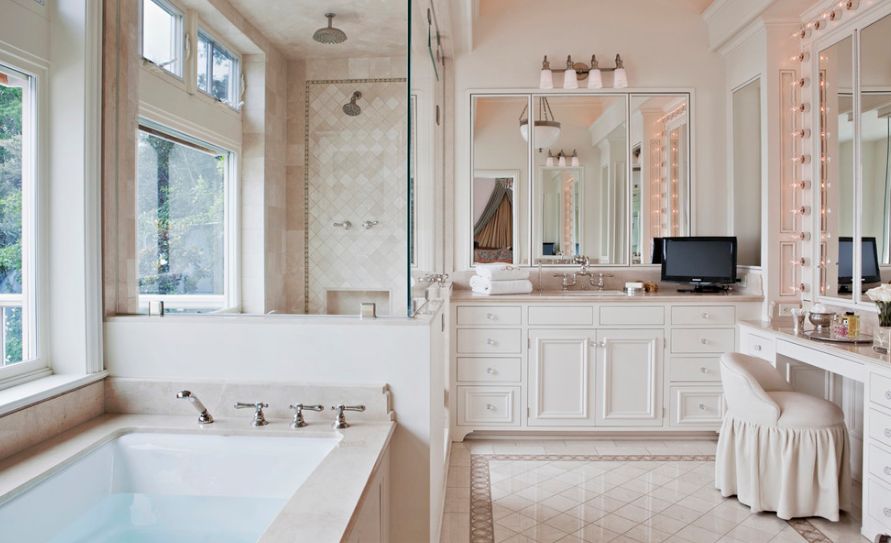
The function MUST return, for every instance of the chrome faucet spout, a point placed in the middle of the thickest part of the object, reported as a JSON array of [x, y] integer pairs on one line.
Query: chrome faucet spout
[[204, 416]]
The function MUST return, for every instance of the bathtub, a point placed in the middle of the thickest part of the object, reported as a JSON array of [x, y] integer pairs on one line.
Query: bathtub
[[146, 487]]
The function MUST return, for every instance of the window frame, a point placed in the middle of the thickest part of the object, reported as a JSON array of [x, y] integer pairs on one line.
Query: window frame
[[35, 362], [237, 84], [229, 300], [180, 37]]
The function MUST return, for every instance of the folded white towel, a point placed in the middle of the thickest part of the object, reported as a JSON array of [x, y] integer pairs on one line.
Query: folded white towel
[[481, 285], [503, 273]]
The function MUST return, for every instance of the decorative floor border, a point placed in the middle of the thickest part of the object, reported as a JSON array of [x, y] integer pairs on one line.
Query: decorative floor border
[[482, 527]]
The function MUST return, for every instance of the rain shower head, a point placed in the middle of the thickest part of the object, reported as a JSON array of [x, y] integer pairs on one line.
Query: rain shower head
[[352, 108], [329, 34]]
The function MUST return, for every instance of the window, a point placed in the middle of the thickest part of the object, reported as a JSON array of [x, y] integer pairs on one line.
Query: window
[[218, 71], [162, 35], [17, 166], [182, 221]]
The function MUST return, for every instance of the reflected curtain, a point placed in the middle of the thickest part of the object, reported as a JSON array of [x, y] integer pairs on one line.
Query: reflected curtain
[[494, 229]]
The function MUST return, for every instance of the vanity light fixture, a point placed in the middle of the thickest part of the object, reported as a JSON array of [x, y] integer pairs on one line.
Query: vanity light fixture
[[549, 162], [546, 128], [575, 159], [561, 162], [576, 71]]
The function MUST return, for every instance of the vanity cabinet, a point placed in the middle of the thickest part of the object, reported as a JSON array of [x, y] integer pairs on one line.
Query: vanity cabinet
[[547, 363]]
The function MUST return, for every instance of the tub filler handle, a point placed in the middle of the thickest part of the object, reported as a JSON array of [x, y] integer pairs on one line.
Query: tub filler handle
[[299, 421], [340, 423], [204, 416], [259, 418]]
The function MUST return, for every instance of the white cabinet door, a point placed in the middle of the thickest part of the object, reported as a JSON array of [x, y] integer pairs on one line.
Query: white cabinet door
[[561, 378], [629, 377]]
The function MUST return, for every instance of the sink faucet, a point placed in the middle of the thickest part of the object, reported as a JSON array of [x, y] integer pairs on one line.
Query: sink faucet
[[259, 418], [204, 416], [299, 421], [341, 421]]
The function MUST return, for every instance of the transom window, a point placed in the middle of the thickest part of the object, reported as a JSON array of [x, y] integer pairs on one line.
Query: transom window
[[218, 73], [182, 221], [162, 35], [17, 182]]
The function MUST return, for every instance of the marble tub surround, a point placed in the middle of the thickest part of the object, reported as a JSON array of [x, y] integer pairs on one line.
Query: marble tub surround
[[26, 427], [157, 397], [321, 510]]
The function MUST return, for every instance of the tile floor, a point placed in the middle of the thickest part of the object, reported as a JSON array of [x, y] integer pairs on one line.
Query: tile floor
[[548, 501]]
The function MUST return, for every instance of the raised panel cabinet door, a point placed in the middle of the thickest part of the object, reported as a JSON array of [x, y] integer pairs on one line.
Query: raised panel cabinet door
[[561, 378], [629, 377]]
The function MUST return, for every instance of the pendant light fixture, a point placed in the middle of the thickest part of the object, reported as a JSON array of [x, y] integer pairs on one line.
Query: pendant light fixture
[[546, 80], [546, 128]]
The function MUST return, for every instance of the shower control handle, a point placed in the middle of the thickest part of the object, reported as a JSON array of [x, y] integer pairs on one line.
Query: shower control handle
[[370, 224], [345, 224]]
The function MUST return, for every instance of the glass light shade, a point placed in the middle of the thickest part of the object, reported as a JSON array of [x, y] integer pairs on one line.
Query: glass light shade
[[620, 78], [595, 79], [575, 161], [546, 132], [547, 80], [561, 161], [549, 162], [570, 79]]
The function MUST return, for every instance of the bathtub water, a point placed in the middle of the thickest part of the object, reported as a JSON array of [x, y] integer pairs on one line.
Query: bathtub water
[[171, 488]]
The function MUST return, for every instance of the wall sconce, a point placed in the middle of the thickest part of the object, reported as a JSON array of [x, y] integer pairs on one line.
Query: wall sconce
[[561, 159], [577, 71]]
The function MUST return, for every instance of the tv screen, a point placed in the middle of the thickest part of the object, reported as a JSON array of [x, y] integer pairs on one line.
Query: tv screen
[[869, 260], [705, 260], [657, 251]]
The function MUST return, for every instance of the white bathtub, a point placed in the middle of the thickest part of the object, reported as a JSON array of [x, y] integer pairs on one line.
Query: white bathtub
[[166, 487]]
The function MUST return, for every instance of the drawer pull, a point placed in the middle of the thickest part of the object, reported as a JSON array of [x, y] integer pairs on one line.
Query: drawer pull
[[491, 371], [887, 512], [702, 406], [888, 395], [757, 347], [492, 342], [490, 407], [703, 341], [706, 316], [704, 370], [888, 432], [491, 316], [887, 470]]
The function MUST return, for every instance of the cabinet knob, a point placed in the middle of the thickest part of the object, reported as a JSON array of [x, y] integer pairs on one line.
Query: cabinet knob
[[887, 470], [490, 371], [887, 432], [887, 511], [704, 370], [702, 406], [888, 395], [758, 348], [490, 407], [703, 341], [706, 316], [491, 341], [490, 316]]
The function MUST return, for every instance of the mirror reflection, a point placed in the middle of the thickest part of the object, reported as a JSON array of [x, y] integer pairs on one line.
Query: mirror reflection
[[494, 235], [837, 171], [746, 146]]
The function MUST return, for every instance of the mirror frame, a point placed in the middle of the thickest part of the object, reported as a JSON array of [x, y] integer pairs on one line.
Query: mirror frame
[[847, 29], [531, 95]]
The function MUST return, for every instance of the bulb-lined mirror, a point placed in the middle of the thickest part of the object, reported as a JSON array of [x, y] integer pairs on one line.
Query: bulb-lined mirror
[[579, 191], [837, 169]]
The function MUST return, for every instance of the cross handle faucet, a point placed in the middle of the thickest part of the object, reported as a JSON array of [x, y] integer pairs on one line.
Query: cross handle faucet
[[259, 418]]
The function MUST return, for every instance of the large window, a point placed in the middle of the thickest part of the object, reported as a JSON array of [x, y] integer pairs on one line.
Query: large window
[[182, 221], [17, 154], [162, 35], [218, 71]]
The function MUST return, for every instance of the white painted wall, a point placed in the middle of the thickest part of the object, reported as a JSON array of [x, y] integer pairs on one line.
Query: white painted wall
[[511, 36]]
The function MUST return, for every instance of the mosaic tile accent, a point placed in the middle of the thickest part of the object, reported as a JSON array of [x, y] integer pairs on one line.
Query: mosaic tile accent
[[356, 171], [519, 492]]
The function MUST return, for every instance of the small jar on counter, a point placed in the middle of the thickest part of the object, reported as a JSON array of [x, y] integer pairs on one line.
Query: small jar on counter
[[852, 324]]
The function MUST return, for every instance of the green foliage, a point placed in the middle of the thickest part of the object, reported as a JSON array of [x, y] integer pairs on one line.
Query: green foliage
[[11, 216]]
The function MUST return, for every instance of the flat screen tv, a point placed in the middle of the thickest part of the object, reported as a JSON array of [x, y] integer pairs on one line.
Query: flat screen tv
[[657, 251], [869, 261], [706, 262]]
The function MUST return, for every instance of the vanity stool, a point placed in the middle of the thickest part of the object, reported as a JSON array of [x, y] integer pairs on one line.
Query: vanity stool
[[780, 450]]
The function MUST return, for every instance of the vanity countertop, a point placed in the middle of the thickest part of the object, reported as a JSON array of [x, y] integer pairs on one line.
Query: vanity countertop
[[663, 296], [320, 510], [862, 353]]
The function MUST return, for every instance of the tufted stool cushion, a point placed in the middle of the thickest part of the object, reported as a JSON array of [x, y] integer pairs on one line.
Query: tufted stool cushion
[[780, 450]]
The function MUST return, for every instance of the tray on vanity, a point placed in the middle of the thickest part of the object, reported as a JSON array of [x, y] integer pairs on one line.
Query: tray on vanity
[[825, 336]]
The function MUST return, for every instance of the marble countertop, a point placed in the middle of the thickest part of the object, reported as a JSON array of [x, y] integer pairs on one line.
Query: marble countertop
[[593, 297], [320, 511], [862, 353]]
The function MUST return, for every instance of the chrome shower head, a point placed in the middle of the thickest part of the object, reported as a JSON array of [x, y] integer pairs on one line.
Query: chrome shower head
[[329, 34], [352, 108]]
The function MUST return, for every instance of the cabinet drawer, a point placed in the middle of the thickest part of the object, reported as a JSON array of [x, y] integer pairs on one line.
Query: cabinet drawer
[[880, 463], [695, 369], [623, 315], [561, 316], [880, 390], [489, 406], [702, 340], [697, 406], [760, 346], [490, 341], [696, 315], [490, 370], [489, 315], [880, 427], [878, 502]]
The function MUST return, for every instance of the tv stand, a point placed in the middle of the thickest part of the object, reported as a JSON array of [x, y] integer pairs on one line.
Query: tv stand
[[706, 289]]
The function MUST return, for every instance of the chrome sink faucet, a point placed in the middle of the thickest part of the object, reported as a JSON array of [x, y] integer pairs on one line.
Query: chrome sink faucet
[[340, 423], [259, 418], [204, 416], [299, 421]]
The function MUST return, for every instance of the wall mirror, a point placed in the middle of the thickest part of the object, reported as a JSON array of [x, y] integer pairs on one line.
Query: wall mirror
[[746, 158], [572, 191]]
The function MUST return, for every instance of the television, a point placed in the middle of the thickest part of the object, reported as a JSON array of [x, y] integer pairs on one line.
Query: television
[[657, 251], [706, 262], [869, 262]]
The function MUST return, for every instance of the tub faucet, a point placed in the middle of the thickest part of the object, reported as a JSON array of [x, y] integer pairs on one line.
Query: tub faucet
[[259, 418], [204, 416]]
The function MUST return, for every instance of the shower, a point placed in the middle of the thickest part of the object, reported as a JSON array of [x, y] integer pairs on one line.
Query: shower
[[329, 34], [352, 108]]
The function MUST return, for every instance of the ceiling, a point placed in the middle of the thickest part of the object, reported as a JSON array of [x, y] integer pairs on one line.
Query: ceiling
[[374, 28]]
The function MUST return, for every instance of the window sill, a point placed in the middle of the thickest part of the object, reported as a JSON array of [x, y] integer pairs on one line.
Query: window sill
[[33, 392]]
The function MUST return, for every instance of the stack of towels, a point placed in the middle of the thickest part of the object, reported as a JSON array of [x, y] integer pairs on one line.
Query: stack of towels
[[500, 279]]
